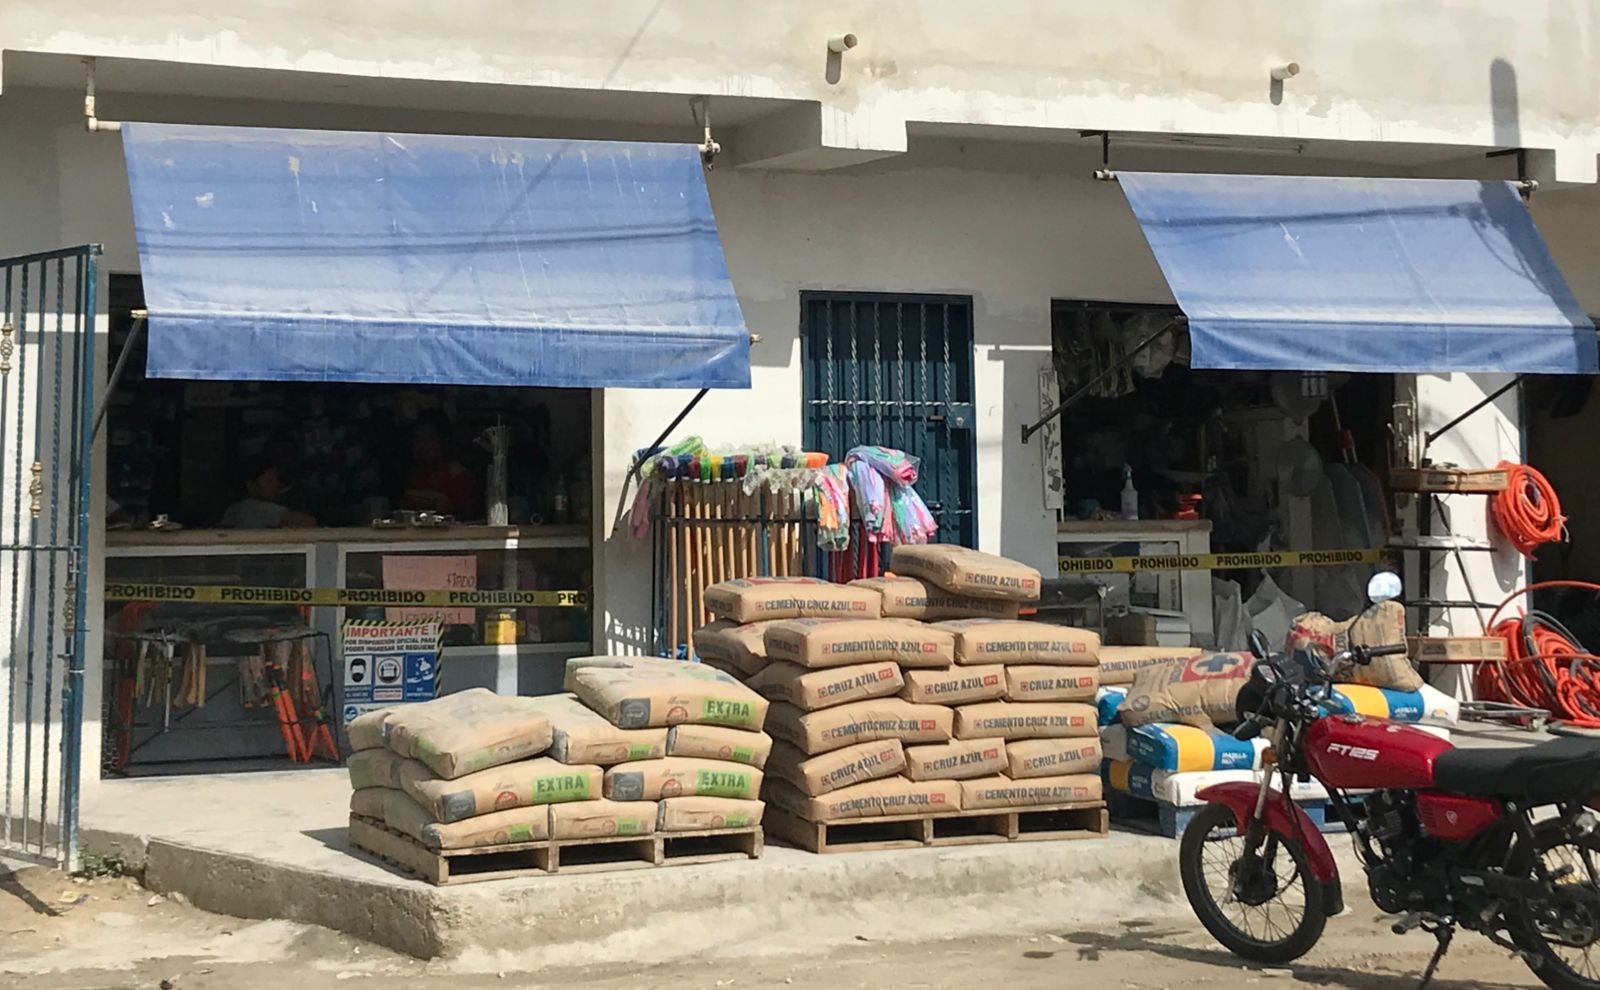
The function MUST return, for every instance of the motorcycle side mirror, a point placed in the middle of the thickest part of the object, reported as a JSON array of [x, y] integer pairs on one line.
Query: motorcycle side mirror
[[1383, 586], [1258, 645]]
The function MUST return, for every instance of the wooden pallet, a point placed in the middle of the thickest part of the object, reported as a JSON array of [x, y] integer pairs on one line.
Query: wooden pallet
[[521, 859], [1436, 480], [1083, 820], [1169, 821]]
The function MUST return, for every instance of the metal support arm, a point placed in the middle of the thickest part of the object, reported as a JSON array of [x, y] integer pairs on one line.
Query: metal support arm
[[1144, 345]]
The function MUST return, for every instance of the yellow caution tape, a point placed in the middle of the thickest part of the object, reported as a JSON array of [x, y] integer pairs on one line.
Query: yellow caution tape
[[208, 594], [1221, 561]]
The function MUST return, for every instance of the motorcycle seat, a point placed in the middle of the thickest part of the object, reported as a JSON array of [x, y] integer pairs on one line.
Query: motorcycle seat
[[1560, 770]]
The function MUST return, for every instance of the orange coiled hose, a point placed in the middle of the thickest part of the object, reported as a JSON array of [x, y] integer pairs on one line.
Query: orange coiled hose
[[1546, 668], [1528, 512]]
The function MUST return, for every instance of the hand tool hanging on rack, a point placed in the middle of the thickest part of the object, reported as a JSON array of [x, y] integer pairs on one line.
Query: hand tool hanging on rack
[[271, 658]]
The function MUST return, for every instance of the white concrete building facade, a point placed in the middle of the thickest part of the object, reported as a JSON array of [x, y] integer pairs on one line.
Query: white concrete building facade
[[941, 154]]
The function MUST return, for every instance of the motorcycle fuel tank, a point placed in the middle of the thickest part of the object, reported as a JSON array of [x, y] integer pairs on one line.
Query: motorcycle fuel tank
[[1350, 751]]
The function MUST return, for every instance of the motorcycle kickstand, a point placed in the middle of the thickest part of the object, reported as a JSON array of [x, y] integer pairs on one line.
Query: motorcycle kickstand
[[1444, 933]]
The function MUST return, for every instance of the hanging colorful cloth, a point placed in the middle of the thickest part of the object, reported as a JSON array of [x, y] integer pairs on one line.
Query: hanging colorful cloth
[[833, 508]]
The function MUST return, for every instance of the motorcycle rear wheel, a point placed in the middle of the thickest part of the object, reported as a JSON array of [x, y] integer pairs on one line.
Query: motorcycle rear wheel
[[1564, 964], [1250, 905]]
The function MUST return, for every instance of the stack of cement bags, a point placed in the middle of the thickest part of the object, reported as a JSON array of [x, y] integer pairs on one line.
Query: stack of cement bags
[[1165, 727], [707, 773], [916, 694], [475, 769]]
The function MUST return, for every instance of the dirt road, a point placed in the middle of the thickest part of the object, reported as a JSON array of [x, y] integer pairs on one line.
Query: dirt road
[[56, 934]]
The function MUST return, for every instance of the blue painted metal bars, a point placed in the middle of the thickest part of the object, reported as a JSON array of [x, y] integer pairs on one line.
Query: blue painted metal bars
[[46, 394]]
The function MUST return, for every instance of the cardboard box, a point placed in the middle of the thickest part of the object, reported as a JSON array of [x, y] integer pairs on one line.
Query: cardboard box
[[967, 572], [1025, 720], [1149, 627], [602, 819], [756, 599], [1052, 757], [1003, 792], [843, 642], [697, 814], [857, 764], [956, 760], [512, 785], [1457, 649], [468, 731], [814, 689], [990, 641], [874, 799], [581, 735], [860, 721], [650, 697], [681, 776], [716, 742], [912, 598], [954, 685], [1045, 683]]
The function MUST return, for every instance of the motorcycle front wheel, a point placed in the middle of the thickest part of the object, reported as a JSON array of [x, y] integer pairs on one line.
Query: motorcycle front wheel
[[1565, 938], [1261, 903]]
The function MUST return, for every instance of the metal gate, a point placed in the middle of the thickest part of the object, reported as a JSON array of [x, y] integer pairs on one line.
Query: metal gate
[[896, 370], [46, 439]]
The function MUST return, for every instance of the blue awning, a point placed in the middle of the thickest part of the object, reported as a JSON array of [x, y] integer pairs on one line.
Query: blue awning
[[291, 255], [1380, 275]]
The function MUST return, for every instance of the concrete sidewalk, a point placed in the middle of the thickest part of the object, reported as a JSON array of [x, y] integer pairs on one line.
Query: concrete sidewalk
[[273, 846]]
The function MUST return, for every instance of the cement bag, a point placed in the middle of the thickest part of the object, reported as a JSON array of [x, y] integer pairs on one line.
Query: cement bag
[[1427, 704], [569, 681], [681, 776], [741, 647], [702, 814], [1030, 683], [368, 802], [653, 697], [814, 689], [1384, 624], [602, 819], [1003, 792], [910, 598], [985, 641], [1114, 743], [495, 829], [956, 760], [1024, 720], [954, 685], [1186, 748], [756, 599], [369, 731], [1181, 789], [860, 721], [463, 733], [512, 785], [1120, 664], [817, 775], [578, 735], [1198, 692], [716, 742], [1027, 758], [374, 768], [888, 797], [841, 642], [967, 572], [1106, 702]]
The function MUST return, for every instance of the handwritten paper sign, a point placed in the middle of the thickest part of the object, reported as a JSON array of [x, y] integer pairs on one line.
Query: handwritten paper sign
[[429, 572]]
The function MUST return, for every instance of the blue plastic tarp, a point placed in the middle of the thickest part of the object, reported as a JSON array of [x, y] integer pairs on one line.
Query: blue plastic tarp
[[293, 255], [1295, 273]]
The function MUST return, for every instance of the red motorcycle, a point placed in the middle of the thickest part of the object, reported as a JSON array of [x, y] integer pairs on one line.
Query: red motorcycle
[[1496, 841]]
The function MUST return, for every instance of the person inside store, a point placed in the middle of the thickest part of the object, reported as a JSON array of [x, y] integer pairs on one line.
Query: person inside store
[[437, 481], [262, 508]]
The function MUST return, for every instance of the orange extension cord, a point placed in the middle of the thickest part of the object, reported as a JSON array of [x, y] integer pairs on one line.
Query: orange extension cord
[[1547, 668], [1528, 512]]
